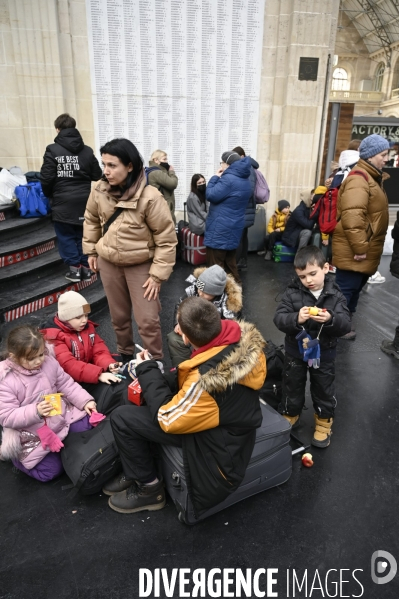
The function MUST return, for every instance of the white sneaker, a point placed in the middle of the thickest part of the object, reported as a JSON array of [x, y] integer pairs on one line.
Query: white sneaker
[[376, 278]]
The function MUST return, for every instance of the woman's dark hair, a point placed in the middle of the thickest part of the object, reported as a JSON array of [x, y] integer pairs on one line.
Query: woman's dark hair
[[24, 342], [64, 121], [239, 151], [199, 320], [194, 180], [309, 255], [127, 153]]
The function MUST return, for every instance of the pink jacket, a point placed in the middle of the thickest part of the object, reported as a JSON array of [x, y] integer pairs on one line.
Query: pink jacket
[[20, 392]]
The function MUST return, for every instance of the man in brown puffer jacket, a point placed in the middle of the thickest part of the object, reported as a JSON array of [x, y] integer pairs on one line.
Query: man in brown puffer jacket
[[362, 216]]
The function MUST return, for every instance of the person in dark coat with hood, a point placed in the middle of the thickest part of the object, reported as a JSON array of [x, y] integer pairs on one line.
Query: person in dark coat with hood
[[66, 174], [392, 347], [228, 193], [250, 211], [299, 226]]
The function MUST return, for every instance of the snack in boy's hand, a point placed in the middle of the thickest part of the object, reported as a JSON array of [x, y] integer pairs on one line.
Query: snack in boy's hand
[[314, 310], [55, 400]]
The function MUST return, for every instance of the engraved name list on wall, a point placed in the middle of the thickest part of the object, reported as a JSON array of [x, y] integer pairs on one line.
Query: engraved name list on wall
[[179, 75]]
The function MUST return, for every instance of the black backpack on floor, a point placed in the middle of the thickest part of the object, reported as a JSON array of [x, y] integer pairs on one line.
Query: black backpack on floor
[[91, 458], [271, 390]]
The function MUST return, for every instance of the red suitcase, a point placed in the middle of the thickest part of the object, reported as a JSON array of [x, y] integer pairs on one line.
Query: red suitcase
[[193, 248]]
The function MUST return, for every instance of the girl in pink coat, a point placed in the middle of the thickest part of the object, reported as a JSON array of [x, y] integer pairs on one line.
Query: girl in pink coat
[[26, 376]]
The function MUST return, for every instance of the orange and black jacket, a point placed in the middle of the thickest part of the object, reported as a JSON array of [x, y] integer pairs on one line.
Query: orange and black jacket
[[213, 402]]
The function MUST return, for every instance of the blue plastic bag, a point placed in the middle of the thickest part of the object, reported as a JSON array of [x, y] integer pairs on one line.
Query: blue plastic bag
[[31, 200]]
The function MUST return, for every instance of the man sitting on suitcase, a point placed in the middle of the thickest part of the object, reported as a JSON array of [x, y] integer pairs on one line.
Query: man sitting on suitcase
[[209, 406]]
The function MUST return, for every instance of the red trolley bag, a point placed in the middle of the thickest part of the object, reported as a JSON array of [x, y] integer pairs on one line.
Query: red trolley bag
[[193, 249]]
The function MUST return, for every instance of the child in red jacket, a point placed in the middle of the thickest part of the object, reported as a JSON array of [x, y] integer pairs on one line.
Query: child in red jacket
[[81, 352]]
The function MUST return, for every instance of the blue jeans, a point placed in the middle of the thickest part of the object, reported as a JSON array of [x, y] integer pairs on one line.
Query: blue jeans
[[70, 243], [351, 283]]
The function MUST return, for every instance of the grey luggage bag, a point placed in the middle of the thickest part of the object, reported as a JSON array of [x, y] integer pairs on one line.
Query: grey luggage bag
[[269, 466], [257, 233]]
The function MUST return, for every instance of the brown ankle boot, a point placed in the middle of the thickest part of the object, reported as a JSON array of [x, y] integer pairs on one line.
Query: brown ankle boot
[[293, 420], [322, 433], [139, 497]]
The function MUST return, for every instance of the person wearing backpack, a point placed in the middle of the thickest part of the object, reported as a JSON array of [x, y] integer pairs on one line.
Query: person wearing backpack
[[362, 221], [67, 171], [161, 174]]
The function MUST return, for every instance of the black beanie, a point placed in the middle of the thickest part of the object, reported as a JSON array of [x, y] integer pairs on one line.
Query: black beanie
[[283, 204]]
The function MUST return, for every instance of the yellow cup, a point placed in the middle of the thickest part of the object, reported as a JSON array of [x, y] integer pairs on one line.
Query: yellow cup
[[55, 400]]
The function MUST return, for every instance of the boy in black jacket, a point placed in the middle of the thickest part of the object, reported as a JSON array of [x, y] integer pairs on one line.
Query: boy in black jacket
[[313, 288]]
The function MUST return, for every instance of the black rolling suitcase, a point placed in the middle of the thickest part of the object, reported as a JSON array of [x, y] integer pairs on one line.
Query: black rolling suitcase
[[269, 466]]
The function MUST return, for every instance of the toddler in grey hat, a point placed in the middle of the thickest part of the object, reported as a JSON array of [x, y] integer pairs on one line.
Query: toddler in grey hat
[[211, 282], [213, 285]]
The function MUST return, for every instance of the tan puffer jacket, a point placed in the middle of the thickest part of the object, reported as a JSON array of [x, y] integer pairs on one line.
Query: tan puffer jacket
[[362, 212], [144, 231]]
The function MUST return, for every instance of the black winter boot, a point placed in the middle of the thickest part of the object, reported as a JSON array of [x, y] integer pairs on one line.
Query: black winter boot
[[73, 274], [117, 484], [139, 497], [85, 273]]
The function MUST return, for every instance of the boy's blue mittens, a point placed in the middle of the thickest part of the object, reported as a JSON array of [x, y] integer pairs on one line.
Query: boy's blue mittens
[[309, 349], [311, 355]]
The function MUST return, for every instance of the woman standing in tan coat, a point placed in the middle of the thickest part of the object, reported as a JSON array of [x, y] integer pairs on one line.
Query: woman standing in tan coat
[[129, 236], [362, 215]]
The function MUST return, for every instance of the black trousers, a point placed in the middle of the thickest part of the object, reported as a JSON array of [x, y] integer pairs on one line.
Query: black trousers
[[322, 387], [242, 250], [271, 239], [351, 283], [135, 433], [396, 338]]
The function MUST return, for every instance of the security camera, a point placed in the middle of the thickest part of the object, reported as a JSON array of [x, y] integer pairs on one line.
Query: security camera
[[379, 112]]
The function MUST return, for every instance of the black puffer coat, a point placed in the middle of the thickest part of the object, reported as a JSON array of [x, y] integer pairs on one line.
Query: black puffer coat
[[395, 256], [298, 221], [294, 298], [66, 174]]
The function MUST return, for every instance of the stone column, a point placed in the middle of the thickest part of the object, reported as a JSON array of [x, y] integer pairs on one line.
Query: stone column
[[44, 69], [291, 111]]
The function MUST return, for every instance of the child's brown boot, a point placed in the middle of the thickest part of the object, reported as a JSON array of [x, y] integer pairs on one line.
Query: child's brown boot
[[322, 433], [293, 420]]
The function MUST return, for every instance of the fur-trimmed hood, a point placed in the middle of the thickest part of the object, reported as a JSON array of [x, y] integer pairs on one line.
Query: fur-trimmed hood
[[245, 365], [233, 291]]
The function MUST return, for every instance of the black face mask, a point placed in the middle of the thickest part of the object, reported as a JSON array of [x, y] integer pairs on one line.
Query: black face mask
[[165, 165], [201, 188]]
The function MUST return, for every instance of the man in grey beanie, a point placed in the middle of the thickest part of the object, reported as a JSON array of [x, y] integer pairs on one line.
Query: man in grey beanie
[[362, 217]]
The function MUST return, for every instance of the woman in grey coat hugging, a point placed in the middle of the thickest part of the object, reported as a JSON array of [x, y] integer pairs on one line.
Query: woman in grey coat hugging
[[196, 205]]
